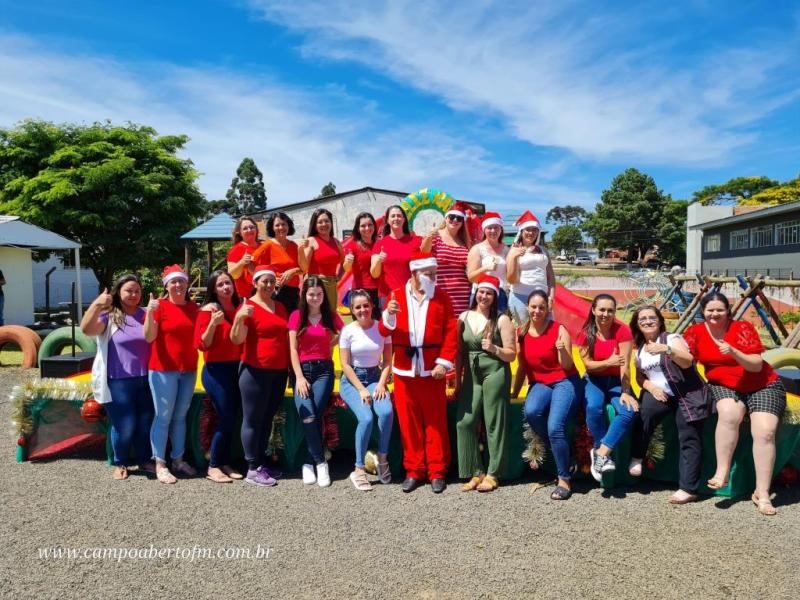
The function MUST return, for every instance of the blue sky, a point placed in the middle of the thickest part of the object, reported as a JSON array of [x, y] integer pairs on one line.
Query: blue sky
[[520, 105]]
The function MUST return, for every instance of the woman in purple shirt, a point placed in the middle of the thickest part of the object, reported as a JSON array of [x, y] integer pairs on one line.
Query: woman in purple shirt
[[119, 375]]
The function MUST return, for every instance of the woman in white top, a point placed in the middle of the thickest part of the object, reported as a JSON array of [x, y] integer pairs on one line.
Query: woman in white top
[[489, 258], [366, 359], [665, 372], [528, 268]]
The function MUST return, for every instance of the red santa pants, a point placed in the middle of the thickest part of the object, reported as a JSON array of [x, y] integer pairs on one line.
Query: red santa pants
[[421, 407]]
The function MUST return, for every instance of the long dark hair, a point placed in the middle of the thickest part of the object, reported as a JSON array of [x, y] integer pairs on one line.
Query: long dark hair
[[719, 297], [590, 326], [283, 217], [638, 336], [211, 289], [387, 229], [491, 324], [312, 226], [117, 314], [541, 294], [357, 231], [325, 310]]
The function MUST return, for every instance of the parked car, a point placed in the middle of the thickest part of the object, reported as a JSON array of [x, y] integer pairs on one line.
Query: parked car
[[583, 258]]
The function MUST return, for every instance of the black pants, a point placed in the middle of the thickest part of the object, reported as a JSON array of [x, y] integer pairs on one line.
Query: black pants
[[262, 393], [649, 416]]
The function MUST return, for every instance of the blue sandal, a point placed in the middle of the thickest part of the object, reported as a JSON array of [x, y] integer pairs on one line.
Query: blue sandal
[[560, 493]]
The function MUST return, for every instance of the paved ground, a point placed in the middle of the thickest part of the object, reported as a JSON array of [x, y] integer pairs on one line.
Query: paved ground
[[337, 542]]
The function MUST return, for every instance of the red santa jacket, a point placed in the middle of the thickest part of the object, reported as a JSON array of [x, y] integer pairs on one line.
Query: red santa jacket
[[421, 337]]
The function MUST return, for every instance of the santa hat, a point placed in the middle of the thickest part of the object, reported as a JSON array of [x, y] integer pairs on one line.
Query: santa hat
[[263, 270], [491, 218], [489, 282], [173, 272], [527, 220], [459, 209], [421, 260]]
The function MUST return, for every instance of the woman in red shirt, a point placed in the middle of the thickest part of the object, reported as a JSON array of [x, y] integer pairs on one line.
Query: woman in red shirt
[[392, 253], [605, 348], [321, 254], [740, 382], [358, 258], [450, 246], [281, 254], [260, 325], [240, 256], [169, 327], [220, 374], [554, 386]]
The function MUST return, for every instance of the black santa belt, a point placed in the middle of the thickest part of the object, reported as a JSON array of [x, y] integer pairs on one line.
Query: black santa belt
[[414, 351]]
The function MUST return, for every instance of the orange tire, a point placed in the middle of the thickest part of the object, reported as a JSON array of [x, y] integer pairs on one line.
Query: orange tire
[[27, 339]]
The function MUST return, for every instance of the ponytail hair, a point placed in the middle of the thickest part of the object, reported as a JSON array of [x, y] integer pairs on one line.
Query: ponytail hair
[[590, 326]]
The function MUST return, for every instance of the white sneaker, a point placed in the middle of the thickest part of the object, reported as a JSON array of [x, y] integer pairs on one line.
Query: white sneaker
[[323, 477], [308, 474]]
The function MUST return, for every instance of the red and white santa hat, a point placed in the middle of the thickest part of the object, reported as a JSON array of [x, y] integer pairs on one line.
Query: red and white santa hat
[[173, 272], [490, 282], [459, 209], [422, 260], [527, 220], [491, 218], [262, 270]]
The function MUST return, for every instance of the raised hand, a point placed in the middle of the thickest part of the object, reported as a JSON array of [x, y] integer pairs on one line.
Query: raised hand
[[393, 307], [245, 312], [103, 301], [247, 258], [724, 347], [486, 343], [560, 345], [217, 316], [382, 256], [152, 303], [349, 258], [655, 348], [304, 243]]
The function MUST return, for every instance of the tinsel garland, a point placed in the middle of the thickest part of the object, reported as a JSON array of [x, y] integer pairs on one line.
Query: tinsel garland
[[330, 428], [29, 397], [275, 436], [208, 424], [657, 447], [535, 449]]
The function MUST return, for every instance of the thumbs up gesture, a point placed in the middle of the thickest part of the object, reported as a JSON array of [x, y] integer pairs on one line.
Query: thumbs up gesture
[[560, 345], [486, 343], [724, 347], [393, 307], [245, 312], [248, 258], [616, 359], [304, 243], [382, 255], [103, 301], [152, 303], [349, 258]]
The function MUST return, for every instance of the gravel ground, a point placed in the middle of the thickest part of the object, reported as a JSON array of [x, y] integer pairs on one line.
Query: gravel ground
[[337, 542]]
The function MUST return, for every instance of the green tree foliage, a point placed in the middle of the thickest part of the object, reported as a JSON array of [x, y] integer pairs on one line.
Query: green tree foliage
[[628, 214], [780, 194], [736, 191], [327, 190], [122, 192], [567, 238], [671, 232], [567, 215], [247, 194]]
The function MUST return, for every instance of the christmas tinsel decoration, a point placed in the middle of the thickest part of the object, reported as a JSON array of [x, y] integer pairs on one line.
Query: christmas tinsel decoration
[[276, 437], [30, 397], [535, 449], [657, 447]]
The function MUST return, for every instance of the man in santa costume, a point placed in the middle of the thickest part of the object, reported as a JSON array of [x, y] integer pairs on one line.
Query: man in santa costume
[[420, 320]]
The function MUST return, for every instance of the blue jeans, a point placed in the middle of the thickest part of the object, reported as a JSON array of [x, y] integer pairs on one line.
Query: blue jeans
[[548, 408], [383, 409], [319, 374], [221, 381], [172, 397], [601, 389], [518, 305], [131, 414]]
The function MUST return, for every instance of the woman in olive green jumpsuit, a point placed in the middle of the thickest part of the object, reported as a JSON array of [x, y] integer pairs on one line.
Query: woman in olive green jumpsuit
[[483, 379]]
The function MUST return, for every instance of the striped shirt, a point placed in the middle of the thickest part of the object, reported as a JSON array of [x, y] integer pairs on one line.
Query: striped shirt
[[451, 273]]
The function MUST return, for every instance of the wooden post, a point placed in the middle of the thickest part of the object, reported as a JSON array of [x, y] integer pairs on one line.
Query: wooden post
[[210, 255], [187, 256]]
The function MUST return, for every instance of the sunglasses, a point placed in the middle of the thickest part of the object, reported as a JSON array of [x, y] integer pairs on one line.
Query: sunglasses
[[455, 218]]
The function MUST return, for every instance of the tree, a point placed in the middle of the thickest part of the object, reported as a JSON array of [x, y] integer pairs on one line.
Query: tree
[[246, 194], [121, 192], [566, 215], [780, 194], [671, 232], [327, 190], [628, 214], [735, 191], [567, 238]]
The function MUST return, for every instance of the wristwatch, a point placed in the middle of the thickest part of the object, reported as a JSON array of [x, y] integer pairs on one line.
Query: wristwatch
[[668, 352]]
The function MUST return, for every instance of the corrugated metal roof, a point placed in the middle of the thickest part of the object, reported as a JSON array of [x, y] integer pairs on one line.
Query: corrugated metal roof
[[19, 234], [219, 227], [778, 209]]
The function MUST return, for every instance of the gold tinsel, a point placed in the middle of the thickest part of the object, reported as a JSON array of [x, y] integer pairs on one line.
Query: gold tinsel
[[657, 447], [535, 449], [276, 437], [27, 395], [371, 462]]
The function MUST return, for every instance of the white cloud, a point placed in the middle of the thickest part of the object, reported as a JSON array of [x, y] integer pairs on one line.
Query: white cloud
[[557, 74], [300, 138]]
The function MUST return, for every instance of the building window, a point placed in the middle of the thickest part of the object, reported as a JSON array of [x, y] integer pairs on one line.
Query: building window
[[740, 239], [761, 236], [788, 232], [713, 243]]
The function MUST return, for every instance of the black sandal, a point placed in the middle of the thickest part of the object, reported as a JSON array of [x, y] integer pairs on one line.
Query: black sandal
[[560, 493]]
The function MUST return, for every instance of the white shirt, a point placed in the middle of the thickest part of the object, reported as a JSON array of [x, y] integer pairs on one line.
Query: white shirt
[[532, 273], [366, 346], [650, 365]]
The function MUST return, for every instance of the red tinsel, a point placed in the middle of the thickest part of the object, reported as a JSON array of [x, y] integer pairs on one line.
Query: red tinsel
[[208, 423], [330, 428], [583, 442]]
